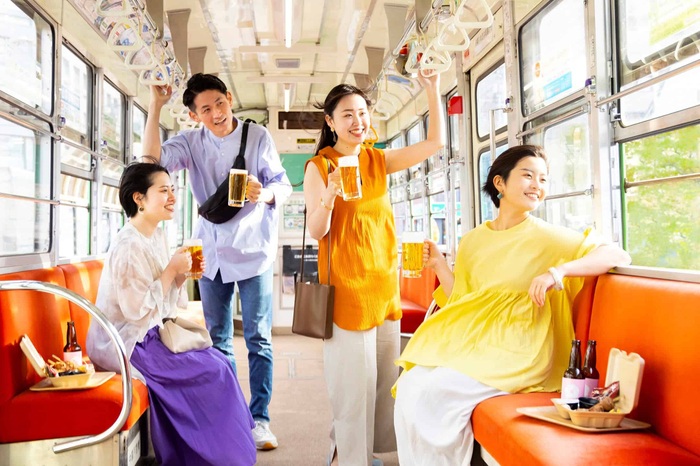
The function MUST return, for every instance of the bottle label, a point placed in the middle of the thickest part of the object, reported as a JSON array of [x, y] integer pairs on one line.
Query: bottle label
[[589, 385], [572, 388], [75, 356]]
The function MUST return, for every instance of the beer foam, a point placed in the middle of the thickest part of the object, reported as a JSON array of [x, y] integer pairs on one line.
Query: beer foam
[[349, 161], [412, 237], [235, 171], [192, 242]]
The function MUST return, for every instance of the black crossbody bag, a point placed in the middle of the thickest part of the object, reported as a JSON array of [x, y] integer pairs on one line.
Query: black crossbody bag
[[216, 208]]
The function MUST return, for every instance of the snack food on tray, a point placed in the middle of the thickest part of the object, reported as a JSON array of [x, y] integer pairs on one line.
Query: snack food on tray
[[610, 391], [59, 368], [604, 405]]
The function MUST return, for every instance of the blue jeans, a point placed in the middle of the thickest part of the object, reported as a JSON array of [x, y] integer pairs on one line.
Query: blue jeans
[[256, 303]]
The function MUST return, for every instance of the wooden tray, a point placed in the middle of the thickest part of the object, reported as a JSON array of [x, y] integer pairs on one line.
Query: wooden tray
[[549, 414], [97, 379]]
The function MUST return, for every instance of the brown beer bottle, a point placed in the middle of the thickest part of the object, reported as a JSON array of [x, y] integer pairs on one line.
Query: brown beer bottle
[[590, 373], [72, 351], [573, 383]]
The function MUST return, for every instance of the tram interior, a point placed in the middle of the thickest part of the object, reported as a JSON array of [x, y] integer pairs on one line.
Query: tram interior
[[609, 89]]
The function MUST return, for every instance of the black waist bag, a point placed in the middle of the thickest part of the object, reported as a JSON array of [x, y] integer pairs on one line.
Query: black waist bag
[[216, 208]]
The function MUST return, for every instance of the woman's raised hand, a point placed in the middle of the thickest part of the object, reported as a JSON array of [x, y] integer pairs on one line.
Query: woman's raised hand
[[431, 82], [431, 254], [181, 261]]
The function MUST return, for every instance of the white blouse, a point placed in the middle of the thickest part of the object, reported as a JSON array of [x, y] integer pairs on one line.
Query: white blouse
[[131, 294]]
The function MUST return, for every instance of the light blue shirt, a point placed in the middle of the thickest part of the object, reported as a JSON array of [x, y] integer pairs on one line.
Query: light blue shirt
[[246, 245]]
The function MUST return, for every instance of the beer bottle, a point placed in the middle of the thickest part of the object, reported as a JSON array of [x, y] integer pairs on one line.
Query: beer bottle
[[72, 351], [573, 381], [590, 373]]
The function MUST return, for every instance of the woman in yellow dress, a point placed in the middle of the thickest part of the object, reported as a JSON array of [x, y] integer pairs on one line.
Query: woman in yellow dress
[[501, 328]]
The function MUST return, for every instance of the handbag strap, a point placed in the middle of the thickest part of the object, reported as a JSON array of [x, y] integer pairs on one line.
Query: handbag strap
[[239, 161], [303, 241]]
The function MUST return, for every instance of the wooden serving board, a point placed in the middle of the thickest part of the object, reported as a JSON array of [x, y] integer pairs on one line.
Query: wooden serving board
[[97, 379], [549, 414]]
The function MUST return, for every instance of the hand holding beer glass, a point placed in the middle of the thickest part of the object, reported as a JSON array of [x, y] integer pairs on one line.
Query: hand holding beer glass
[[237, 183], [412, 254], [350, 177], [194, 247]]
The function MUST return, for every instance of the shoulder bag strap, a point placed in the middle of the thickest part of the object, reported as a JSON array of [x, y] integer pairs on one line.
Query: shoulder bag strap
[[303, 241], [239, 162]]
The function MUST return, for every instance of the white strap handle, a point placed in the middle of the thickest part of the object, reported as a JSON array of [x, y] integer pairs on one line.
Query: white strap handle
[[433, 60], [114, 13], [128, 24], [146, 66], [413, 58], [441, 46], [474, 24], [152, 80]]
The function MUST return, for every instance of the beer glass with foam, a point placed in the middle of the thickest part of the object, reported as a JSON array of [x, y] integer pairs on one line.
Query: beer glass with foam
[[237, 183], [350, 177], [412, 253], [194, 246]]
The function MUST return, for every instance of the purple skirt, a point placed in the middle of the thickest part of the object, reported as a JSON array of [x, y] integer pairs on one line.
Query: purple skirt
[[199, 415]]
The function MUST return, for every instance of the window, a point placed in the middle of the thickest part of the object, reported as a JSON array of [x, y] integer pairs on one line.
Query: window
[[567, 149], [490, 94], [74, 214], [453, 121], [438, 220], [181, 219], [25, 227], [25, 162], [657, 37], [112, 170], [76, 98], [400, 217], [662, 221], [553, 54], [417, 214], [26, 55], [413, 136], [457, 204], [487, 207], [403, 175], [113, 122], [138, 126], [112, 218]]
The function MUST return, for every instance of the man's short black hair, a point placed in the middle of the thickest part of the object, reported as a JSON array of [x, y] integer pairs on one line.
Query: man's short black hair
[[199, 83]]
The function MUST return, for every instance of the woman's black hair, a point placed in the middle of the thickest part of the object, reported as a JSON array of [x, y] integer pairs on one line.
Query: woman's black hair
[[505, 163], [199, 83], [137, 178], [328, 107]]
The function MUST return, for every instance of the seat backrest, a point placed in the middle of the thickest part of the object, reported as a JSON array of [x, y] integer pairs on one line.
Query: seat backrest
[[582, 308], [84, 279], [41, 316], [419, 290], [659, 320]]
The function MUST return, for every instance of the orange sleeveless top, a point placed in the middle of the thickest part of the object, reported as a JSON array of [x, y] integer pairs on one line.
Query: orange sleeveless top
[[364, 251]]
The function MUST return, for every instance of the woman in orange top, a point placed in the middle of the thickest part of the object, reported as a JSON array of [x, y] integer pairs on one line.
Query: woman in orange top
[[359, 358]]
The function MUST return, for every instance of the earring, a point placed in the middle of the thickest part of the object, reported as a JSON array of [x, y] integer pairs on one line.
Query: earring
[[335, 136], [141, 209], [500, 196]]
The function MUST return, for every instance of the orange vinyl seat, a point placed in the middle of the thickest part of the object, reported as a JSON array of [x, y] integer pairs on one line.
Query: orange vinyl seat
[[641, 315], [416, 296], [27, 415]]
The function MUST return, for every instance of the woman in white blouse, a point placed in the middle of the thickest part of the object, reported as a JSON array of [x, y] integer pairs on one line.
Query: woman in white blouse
[[207, 422]]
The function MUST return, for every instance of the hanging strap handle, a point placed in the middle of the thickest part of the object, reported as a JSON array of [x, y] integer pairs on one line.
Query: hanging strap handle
[[303, 241]]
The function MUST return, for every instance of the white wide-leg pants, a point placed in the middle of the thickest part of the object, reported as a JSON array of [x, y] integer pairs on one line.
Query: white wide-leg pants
[[360, 371], [433, 413]]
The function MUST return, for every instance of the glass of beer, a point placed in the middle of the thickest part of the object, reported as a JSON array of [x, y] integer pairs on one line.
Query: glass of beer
[[412, 255], [350, 177], [194, 246], [237, 183]]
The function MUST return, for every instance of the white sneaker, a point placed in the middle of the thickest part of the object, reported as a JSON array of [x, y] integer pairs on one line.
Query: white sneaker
[[264, 438]]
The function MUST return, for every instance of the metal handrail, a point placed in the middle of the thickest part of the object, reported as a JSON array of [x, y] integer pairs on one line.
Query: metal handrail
[[431, 309], [633, 184], [31, 285]]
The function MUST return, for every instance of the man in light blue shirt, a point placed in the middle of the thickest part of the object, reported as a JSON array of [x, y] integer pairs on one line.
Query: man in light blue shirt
[[242, 249]]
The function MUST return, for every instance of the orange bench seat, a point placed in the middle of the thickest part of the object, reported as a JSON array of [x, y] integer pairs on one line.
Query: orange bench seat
[[27, 415], [416, 296]]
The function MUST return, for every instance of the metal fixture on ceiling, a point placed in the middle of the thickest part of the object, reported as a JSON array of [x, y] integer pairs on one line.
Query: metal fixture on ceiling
[[287, 63]]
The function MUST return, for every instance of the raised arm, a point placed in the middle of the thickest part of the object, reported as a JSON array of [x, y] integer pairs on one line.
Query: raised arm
[[406, 157], [596, 262], [318, 217], [151, 134]]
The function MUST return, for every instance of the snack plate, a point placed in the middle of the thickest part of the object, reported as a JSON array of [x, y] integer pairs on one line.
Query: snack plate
[[549, 414], [97, 379]]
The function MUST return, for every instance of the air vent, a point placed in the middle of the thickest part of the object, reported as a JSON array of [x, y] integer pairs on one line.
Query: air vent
[[288, 63]]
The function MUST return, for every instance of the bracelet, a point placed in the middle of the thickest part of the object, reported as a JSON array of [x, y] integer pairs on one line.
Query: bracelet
[[558, 283], [324, 205]]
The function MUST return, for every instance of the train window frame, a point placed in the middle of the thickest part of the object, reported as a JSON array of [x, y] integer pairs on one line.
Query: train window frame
[[74, 202], [132, 140], [124, 130], [499, 144], [91, 94], [103, 246], [485, 75], [38, 110], [574, 89], [452, 128], [421, 137]]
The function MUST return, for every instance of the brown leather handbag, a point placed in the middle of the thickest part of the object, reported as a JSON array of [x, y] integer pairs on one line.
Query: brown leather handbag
[[313, 302]]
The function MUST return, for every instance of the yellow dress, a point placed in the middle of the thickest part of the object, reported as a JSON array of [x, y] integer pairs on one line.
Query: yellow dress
[[489, 328]]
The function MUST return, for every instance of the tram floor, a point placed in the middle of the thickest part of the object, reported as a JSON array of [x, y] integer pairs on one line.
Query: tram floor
[[300, 409]]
